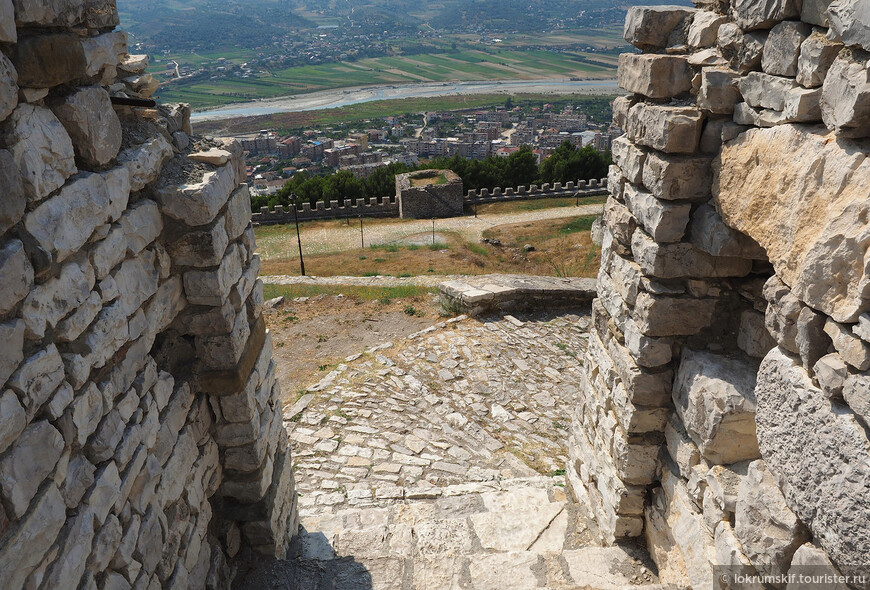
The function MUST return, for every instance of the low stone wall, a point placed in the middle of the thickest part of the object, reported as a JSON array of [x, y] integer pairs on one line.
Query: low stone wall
[[389, 206], [725, 407], [141, 439], [499, 293]]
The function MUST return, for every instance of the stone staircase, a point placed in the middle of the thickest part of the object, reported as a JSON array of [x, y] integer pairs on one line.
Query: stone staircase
[[515, 534]]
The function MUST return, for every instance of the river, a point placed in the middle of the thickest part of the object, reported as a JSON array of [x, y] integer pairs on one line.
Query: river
[[328, 99]]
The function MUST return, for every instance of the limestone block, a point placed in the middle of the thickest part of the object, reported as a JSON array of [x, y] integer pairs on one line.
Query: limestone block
[[102, 495], [137, 280], [763, 14], [845, 100], [37, 378], [48, 60], [656, 27], [812, 342], [718, 93], [742, 50], [714, 395], [683, 452], [782, 48], [850, 20], [629, 158], [665, 221], [141, 225], [620, 222], [134, 64], [211, 287], [12, 419], [166, 304], [32, 538], [224, 351], [768, 531], [802, 225], [710, 234], [730, 557], [802, 105], [102, 54], [198, 203], [659, 316], [145, 85], [8, 85], [145, 162], [77, 539], [852, 349], [88, 117], [752, 336], [106, 543], [238, 213], [831, 373], [815, 12], [816, 56], [18, 275], [79, 477], [654, 76], [675, 130], [819, 453], [856, 392], [615, 186], [669, 261], [811, 561], [41, 149], [704, 29], [200, 248], [677, 177], [63, 223], [762, 90], [724, 481], [621, 106], [118, 187], [72, 327], [8, 33], [11, 186], [660, 542], [30, 460]]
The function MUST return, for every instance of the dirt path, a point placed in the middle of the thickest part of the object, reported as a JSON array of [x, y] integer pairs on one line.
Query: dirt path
[[331, 240]]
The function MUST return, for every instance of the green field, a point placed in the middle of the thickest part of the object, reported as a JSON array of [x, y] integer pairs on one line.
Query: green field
[[469, 64]]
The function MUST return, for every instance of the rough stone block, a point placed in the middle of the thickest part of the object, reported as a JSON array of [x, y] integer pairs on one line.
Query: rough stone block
[[704, 30], [91, 122], [856, 392], [752, 336], [718, 93], [762, 90], [145, 161], [769, 532], [852, 349], [677, 177], [654, 27], [763, 14], [665, 221], [816, 568], [802, 226], [831, 373], [714, 395], [709, 233], [211, 287], [8, 33], [29, 462], [802, 105], [816, 56], [674, 130], [41, 149], [654, 76], [8, 86], [680, 260], [11, 187], [818, 450], [198, 203], [63, 223], [12, 419], [18, 275], [845, 100], [850, 20], [742, 50], [48, 60], [659, 316], [200, 247], [781, 51], [37, 378], [629, 158], [32, 539]]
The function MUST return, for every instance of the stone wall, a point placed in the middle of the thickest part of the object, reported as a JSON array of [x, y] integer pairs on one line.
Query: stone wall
[[141, 439], [424, 201], [725, 411]]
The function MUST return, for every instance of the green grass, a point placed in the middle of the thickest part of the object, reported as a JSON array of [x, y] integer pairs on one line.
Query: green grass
[[357, 292], [466, 64]]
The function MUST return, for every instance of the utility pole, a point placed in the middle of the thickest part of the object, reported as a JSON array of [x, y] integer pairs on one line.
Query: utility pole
[[433, 231], [362, 241], [298, 236]]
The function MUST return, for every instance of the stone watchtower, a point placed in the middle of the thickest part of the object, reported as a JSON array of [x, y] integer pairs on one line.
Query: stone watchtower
[[429, 193]]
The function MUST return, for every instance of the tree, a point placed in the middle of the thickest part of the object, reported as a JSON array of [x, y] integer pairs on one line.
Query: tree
[[568, 163], [521, 168]]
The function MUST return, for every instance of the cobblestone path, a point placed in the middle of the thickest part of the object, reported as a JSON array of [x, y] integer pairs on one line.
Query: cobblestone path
[[437, 463]]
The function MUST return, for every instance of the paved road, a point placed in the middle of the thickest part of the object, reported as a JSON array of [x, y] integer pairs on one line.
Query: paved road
[[342, 238]]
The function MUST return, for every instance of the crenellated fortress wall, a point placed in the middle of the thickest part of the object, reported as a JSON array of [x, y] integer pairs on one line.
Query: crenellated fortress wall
[[726, 406], [141, 436]]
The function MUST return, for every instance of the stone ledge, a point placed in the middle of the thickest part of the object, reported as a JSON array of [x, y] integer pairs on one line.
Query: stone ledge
[[489, 293]]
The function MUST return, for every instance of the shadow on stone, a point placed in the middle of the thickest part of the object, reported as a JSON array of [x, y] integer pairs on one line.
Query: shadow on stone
[[311, 565]]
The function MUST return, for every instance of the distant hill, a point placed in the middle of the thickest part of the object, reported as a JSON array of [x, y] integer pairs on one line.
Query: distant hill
[[178, 25]]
